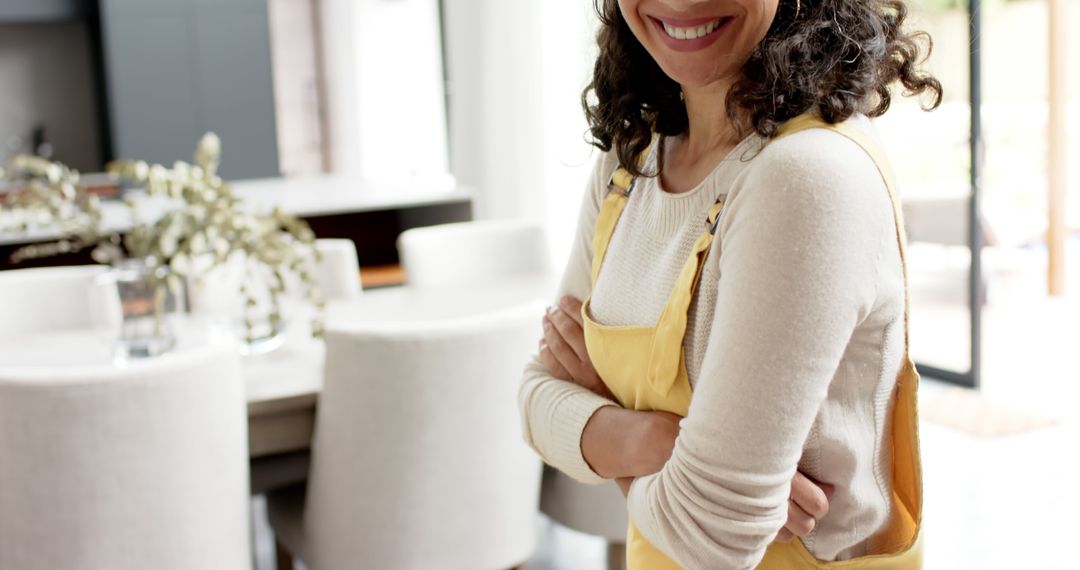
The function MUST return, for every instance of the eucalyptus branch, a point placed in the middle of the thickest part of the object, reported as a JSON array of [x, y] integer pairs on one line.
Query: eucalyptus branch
[[210, 223], [47, 194], [215, 223]]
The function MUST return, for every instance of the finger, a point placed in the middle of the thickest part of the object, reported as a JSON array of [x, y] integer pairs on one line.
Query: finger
[[799, 522], [808, 496], [562, 351], [784, 536], [581, 371], [572, 306], [552, 364], [825, 487], [570, 331]]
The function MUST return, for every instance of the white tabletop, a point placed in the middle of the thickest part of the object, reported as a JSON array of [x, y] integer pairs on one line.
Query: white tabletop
[[283, 385], [63, 351]]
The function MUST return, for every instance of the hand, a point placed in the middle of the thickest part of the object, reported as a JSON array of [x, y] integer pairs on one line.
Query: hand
[[657, 442], [656, 446], [562, 350], [617, 442], [809, 502]]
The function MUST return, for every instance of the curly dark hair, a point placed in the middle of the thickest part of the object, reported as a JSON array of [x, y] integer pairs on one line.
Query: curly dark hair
[[834, 58]]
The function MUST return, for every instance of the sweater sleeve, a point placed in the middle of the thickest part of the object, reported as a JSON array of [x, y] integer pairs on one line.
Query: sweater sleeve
[[553, 411], [800, 244]]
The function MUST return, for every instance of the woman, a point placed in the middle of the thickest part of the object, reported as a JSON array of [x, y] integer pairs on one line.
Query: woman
[[745, 271]]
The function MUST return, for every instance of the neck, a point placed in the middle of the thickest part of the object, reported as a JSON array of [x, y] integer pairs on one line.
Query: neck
[[710, 129]]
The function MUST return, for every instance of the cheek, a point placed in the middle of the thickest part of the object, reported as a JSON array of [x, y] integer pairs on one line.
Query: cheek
[[767, 12], [629, 11], [757, 21]]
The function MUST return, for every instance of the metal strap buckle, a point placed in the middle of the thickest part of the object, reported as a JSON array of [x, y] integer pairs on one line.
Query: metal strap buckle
[[613, 186], [716, 224]]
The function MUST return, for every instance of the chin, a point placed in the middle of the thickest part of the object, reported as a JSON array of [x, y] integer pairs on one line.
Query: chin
[[696, 76]]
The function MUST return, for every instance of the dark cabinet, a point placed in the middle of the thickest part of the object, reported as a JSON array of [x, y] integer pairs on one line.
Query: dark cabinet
[[175, 69], [29, 11], [166, 71]]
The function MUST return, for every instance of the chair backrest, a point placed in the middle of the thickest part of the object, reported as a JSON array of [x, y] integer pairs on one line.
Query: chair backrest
[[144, 466], [417, 458], [338, 273], [469, 252], [56, 298]]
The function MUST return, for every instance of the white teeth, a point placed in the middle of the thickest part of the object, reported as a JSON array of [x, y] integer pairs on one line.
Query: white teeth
[[691, 33]]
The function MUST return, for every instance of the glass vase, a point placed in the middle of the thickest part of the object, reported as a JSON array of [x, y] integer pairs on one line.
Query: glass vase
[[233, 296], [149, 306]]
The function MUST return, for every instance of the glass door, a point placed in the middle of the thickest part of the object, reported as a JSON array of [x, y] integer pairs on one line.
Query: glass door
[[937, 161]]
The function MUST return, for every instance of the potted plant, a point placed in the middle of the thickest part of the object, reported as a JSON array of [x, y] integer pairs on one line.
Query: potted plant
[[204, 227]]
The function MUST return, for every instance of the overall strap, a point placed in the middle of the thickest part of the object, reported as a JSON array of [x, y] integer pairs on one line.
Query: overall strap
[[620, 186], [902, 533], [663, 362], [610, 211], [671, 326]]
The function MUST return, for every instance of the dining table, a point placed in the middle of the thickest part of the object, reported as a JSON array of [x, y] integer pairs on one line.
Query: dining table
[[283, 384]]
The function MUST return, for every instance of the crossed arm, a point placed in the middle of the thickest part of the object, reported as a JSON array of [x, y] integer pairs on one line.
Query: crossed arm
[[820, 211], [623, 444]]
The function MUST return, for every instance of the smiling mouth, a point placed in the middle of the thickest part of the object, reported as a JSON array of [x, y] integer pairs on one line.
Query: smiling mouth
[[698, 31]]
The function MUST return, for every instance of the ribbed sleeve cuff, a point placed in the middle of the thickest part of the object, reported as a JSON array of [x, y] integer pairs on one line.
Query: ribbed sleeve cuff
[[575, 411], [639, 507]]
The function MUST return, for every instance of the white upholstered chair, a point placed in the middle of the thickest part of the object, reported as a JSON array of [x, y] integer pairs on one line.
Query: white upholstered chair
[[417, 458], [338, 277], [472, 252], [338, 273], [56, 298], [464, 252], [135, 467]]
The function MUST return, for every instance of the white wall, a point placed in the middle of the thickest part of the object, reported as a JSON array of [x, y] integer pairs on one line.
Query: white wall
[[494, 59], [515, 69], [516, 72], [385, 91], [569, 28]]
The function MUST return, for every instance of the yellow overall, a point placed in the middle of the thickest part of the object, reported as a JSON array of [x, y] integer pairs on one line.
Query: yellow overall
[[644, 368]]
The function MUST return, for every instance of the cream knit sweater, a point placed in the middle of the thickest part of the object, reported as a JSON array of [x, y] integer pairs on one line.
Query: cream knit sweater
[[794, 341]]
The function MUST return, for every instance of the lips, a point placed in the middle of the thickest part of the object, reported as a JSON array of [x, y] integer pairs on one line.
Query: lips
[[690, 35], [691, 32]]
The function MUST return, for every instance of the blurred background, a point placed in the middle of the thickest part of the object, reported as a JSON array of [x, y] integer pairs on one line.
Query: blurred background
[[370, 118]]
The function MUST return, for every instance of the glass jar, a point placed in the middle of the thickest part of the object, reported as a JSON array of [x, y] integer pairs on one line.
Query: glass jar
[[149, 305]]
